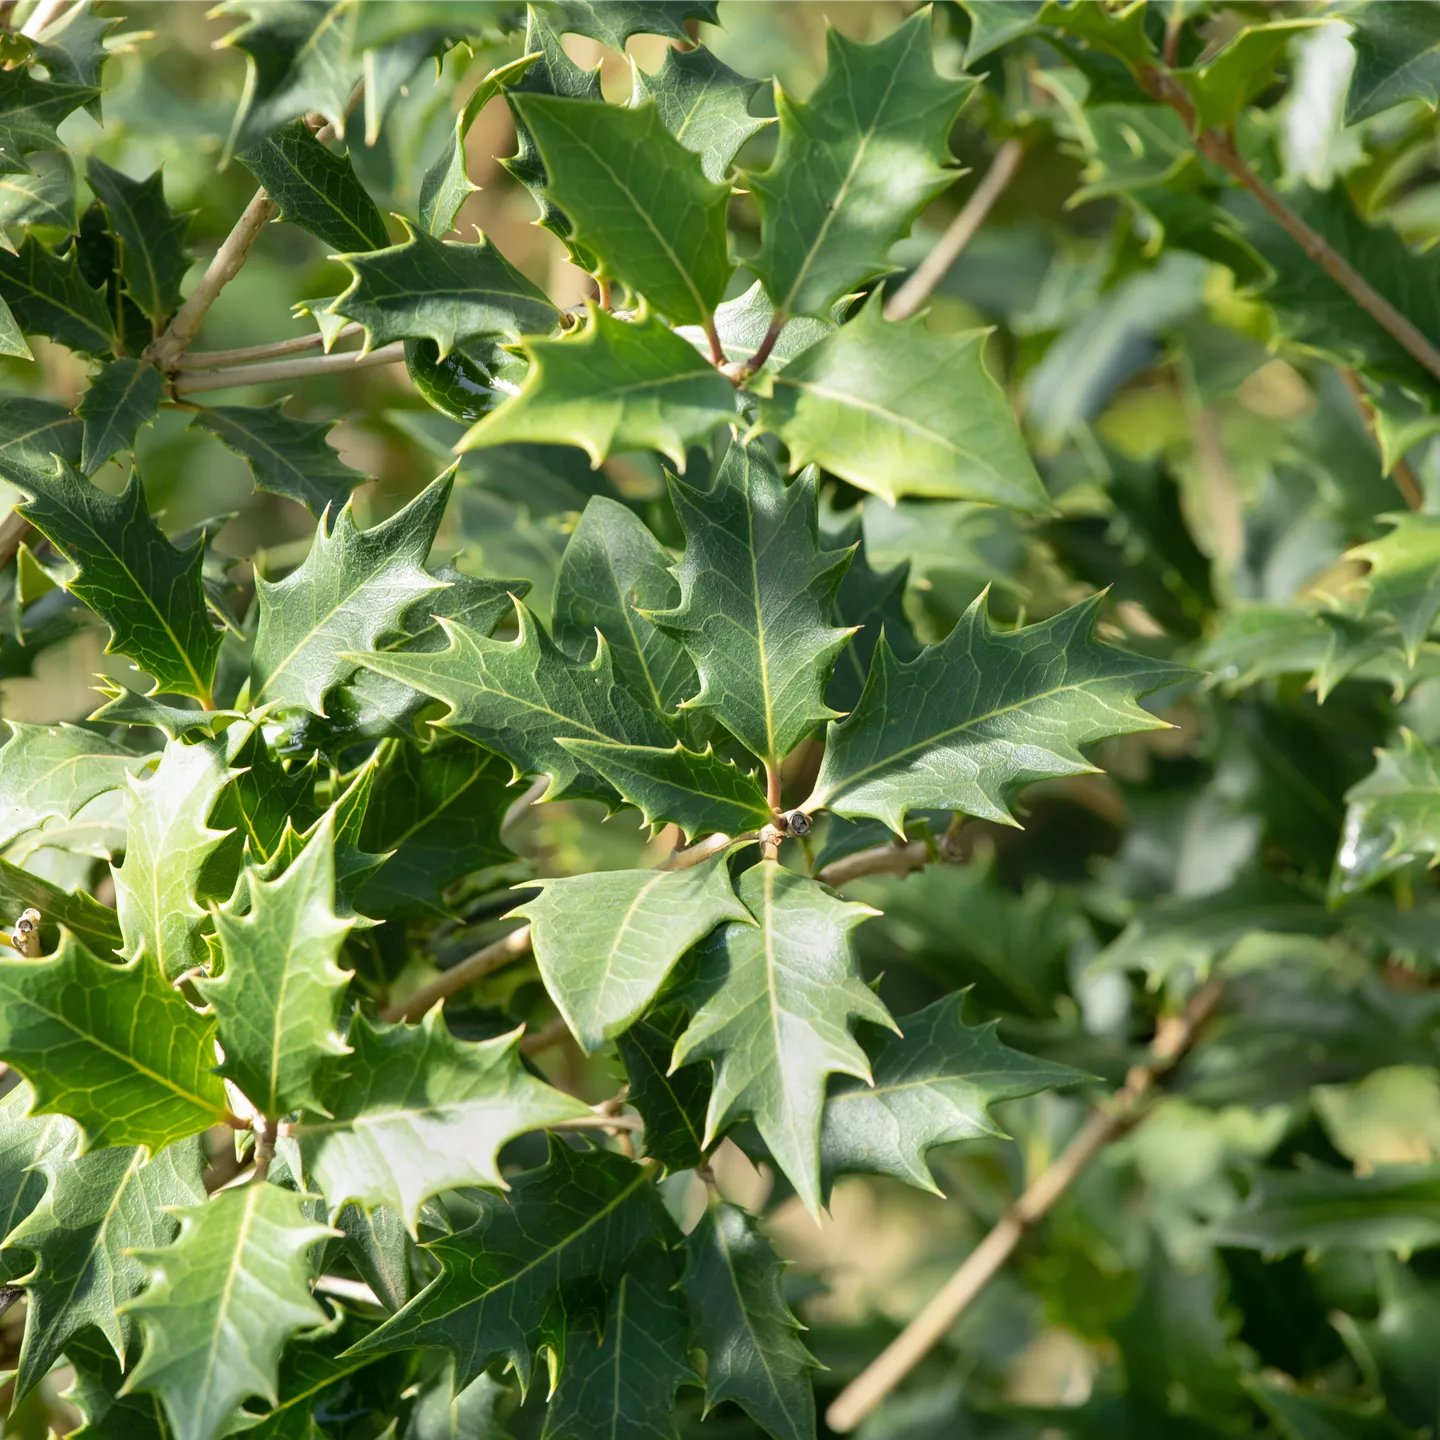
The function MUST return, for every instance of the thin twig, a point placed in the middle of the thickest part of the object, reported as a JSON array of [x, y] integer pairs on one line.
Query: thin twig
[[538, 787], [13, 530], [753, 364], [40, 17], [933, 268], [223, 267], [878, 860], [1219, 148], [219, 359], [192, 382], [615, 1123], [546, 1037], [1173, 1037], [343, 1288], [266, 1133], [1403, 475]]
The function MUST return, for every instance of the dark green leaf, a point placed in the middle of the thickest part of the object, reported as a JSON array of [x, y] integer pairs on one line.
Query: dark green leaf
[[30, 109], [1397, 58], [151, 237], [125, 395], [316, 189], [25, 1141], [672, 1105], [704, 104], [613, 22], [49, 296], [31, 432], [1301, 1416], [1392, 817]]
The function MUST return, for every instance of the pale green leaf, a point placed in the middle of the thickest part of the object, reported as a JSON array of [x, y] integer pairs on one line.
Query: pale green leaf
[[606, 942], [1403, 581], [770, 1003], [616, 385], [898, 410], [51, 772], [705, 105], [613, 22], [1392, 817]]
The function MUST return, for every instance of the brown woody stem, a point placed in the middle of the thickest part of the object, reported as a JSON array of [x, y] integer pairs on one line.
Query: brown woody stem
[[192, 382], [218, 359], [1173, 1037]]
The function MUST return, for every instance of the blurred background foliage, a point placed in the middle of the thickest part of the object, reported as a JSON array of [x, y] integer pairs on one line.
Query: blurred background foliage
[[1261, 1255]]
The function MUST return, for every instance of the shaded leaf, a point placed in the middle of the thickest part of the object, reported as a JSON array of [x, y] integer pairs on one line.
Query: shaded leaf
[[1403, 581], [31, 432], [1298, 1415], [51, 772], [48, 295], [125, 395], [1392, 817], [92, 923], [613, 22], [151, 237], [672, 1105]]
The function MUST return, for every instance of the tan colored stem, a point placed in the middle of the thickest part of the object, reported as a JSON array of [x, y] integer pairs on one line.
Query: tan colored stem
[[192, 382], [223, 267], [961, 231], [266, 1133], [1219, 149], [1173, 1037], [40, 17], [13, 530], [218, 359], [26, 938], [878, 860]]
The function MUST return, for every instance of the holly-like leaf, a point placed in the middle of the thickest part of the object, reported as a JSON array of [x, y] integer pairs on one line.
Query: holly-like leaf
[[613, 22], [25, 1141], [315, 188], [743, 326], [704, 104], [933, 1084], [440, 290], [96, 1394], [32, 431], [994, 23], [856, 163], [1302, 1415], [51, 772], [577, 1221], [350, 593], [1403, 581], [414, 1111], [297, 62], [623, 1381], [519, 698], [979, 714], [898, 410], [672, 1104], [606, 942], [1392, 817], [73, 48], [1237, 72], [277, 1001], [30, 109], [98, 1208], [699, 791], [92, 923], [435, 812], [286, 456], [446, 184], [111, 1046], [770, 1004], [756, 597], [616, 385], [754, 1355], [1397, 58], [637, 199], [48, 295], [175, 722], [42, 199], [151, 237], [125, 395], [612, 572], [142, 586], [222, 1301], [168, 841]]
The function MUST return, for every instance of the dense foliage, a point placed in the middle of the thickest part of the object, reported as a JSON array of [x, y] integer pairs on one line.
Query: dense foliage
[[1068, 745]]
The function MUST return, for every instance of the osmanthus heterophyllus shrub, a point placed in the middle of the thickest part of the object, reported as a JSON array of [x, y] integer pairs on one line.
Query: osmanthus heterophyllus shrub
[[319, 1128]]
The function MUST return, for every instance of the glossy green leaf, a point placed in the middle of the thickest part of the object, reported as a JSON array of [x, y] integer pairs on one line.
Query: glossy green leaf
[[351, 592], [25, 1141], [577, 1220], [623, 1382], [168, 842], [51, 772], [616, 385], [856, 163], [142, 586], [613, 22], [297, 61], [612, 572], [756, 595], [150, 235], [286, 456], [704, 104], [277, 1000], [934, 1082], [435, 813], [701, 792], [1392, 817], [92, 923], [48, 295], [413, 1111], [316, 188], [125, 395], [743, 326], [520, 698], [31, 432], [898, 410], [1403, 581], [111, 1046], [42, 198], [1397, 58], [770, 1003], [754, 1355], [222, 1301], [636, 198], [607, 942], [440, 290], [98, 1208], [979, 714], [30, 109]]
